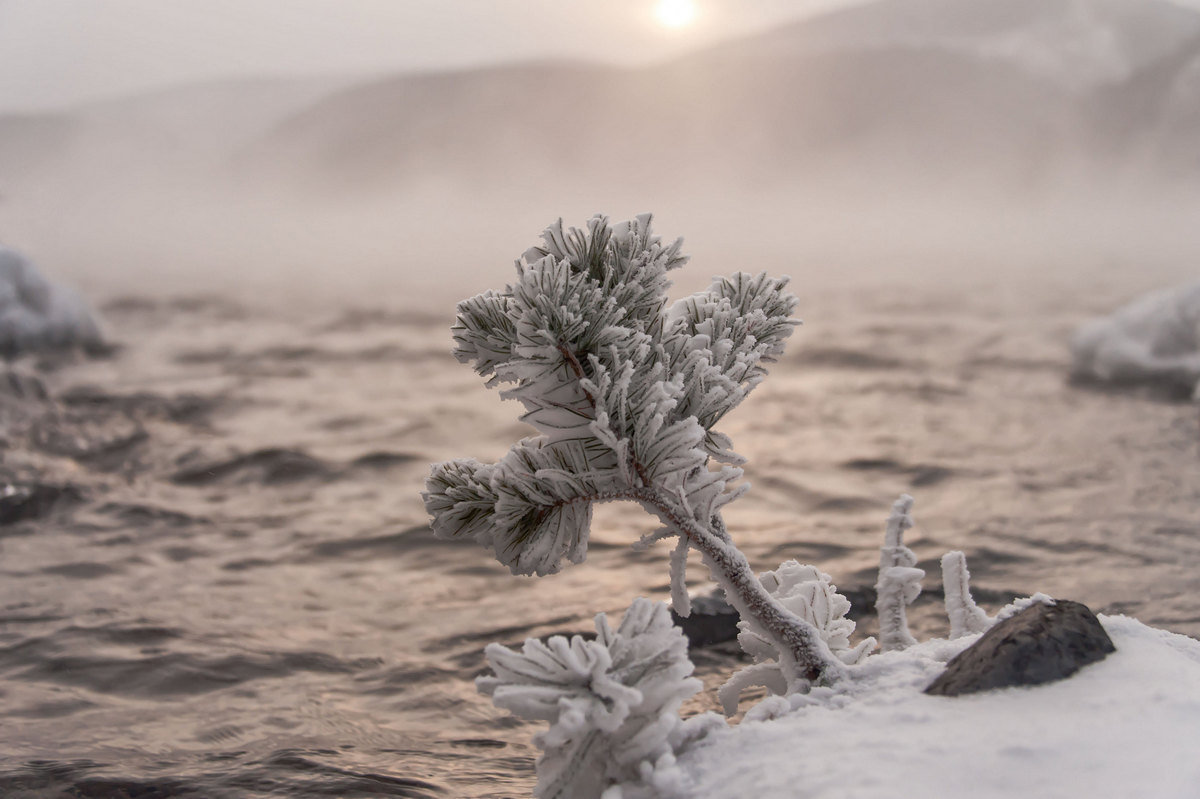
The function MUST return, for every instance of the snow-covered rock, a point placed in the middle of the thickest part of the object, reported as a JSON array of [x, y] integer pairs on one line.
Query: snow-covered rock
[[1154, 340], [36, 314], [1128, 725], [1046, 641]]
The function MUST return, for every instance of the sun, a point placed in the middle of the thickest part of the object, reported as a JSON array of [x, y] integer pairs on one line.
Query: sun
[[675, 13]]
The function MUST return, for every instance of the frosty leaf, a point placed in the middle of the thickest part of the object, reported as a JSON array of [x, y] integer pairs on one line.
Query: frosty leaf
[[723, 337], [484, 332], [611, 702], [626, 260], [533, 508], [544, 495], [460, 499], [764, 308]]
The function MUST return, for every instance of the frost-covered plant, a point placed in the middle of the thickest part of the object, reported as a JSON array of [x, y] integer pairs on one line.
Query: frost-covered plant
[[965, 616], [611, 702], [625, 391], [811, 595], [899, 581], [899, 585]]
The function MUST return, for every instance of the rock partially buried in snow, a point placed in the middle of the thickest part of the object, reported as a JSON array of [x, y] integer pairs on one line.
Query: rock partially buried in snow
[[712, 621], [36, 315], [1041, 644], [1154, 340], [1126, 726]]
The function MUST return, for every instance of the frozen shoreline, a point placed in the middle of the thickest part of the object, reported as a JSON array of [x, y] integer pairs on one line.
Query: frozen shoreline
[[1126, 726]]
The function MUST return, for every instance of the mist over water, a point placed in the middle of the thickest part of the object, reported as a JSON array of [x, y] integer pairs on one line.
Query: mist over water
[[217, 575], [895, 132]]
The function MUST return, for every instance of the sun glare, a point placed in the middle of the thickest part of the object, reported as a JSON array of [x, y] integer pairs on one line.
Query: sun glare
[[675, 13]]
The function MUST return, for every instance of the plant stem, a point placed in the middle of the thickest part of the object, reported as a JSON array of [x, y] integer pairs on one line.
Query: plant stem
[[803, 654]]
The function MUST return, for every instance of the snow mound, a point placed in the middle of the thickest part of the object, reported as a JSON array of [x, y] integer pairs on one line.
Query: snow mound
[[37, 315], [1153, 340], [1126, 726]]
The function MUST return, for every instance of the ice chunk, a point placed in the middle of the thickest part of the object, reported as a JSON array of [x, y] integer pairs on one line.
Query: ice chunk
[[1153, 340], [36, 314]]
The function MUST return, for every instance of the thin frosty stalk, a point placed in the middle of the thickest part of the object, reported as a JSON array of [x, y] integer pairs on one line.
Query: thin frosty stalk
[[810, 658], [965, 616], [899, 581]]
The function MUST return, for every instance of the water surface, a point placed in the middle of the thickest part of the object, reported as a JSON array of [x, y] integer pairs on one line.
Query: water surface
[[217, 579]]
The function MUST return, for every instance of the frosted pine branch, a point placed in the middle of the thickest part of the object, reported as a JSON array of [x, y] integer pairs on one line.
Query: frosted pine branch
[[624, 393]]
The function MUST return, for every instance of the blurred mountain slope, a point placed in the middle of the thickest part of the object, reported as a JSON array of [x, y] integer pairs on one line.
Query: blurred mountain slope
[[1019, 95]]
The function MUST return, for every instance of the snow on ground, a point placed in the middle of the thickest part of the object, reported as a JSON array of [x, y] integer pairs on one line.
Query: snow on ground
[[1126, 726]]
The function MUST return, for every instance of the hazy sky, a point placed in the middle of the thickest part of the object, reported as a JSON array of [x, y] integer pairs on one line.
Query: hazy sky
[[56, 52]]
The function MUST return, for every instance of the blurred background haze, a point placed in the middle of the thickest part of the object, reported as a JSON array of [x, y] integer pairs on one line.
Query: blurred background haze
[[302, 147], [219, 578]]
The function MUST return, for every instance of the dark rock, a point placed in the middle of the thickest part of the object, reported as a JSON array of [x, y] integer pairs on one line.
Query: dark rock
[[862, 601], [1041, 644], [21, 502], [712, 621]]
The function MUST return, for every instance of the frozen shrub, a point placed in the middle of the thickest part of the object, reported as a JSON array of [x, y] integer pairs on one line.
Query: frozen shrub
[[625, 391], [611, 702]]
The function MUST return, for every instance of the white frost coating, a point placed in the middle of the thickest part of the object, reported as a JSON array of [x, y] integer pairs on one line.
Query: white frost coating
[[965, 616], [624, 392], [38, 315], [1018, 605], [611, 702], [899, 583], [1155, 339], [1126, 726], [810, 595], [681, 601]]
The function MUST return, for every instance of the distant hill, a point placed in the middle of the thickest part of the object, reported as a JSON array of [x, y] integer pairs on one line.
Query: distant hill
[[29, 141], [947, 125], [168, 133], [1011, 95], [1077, 44]]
